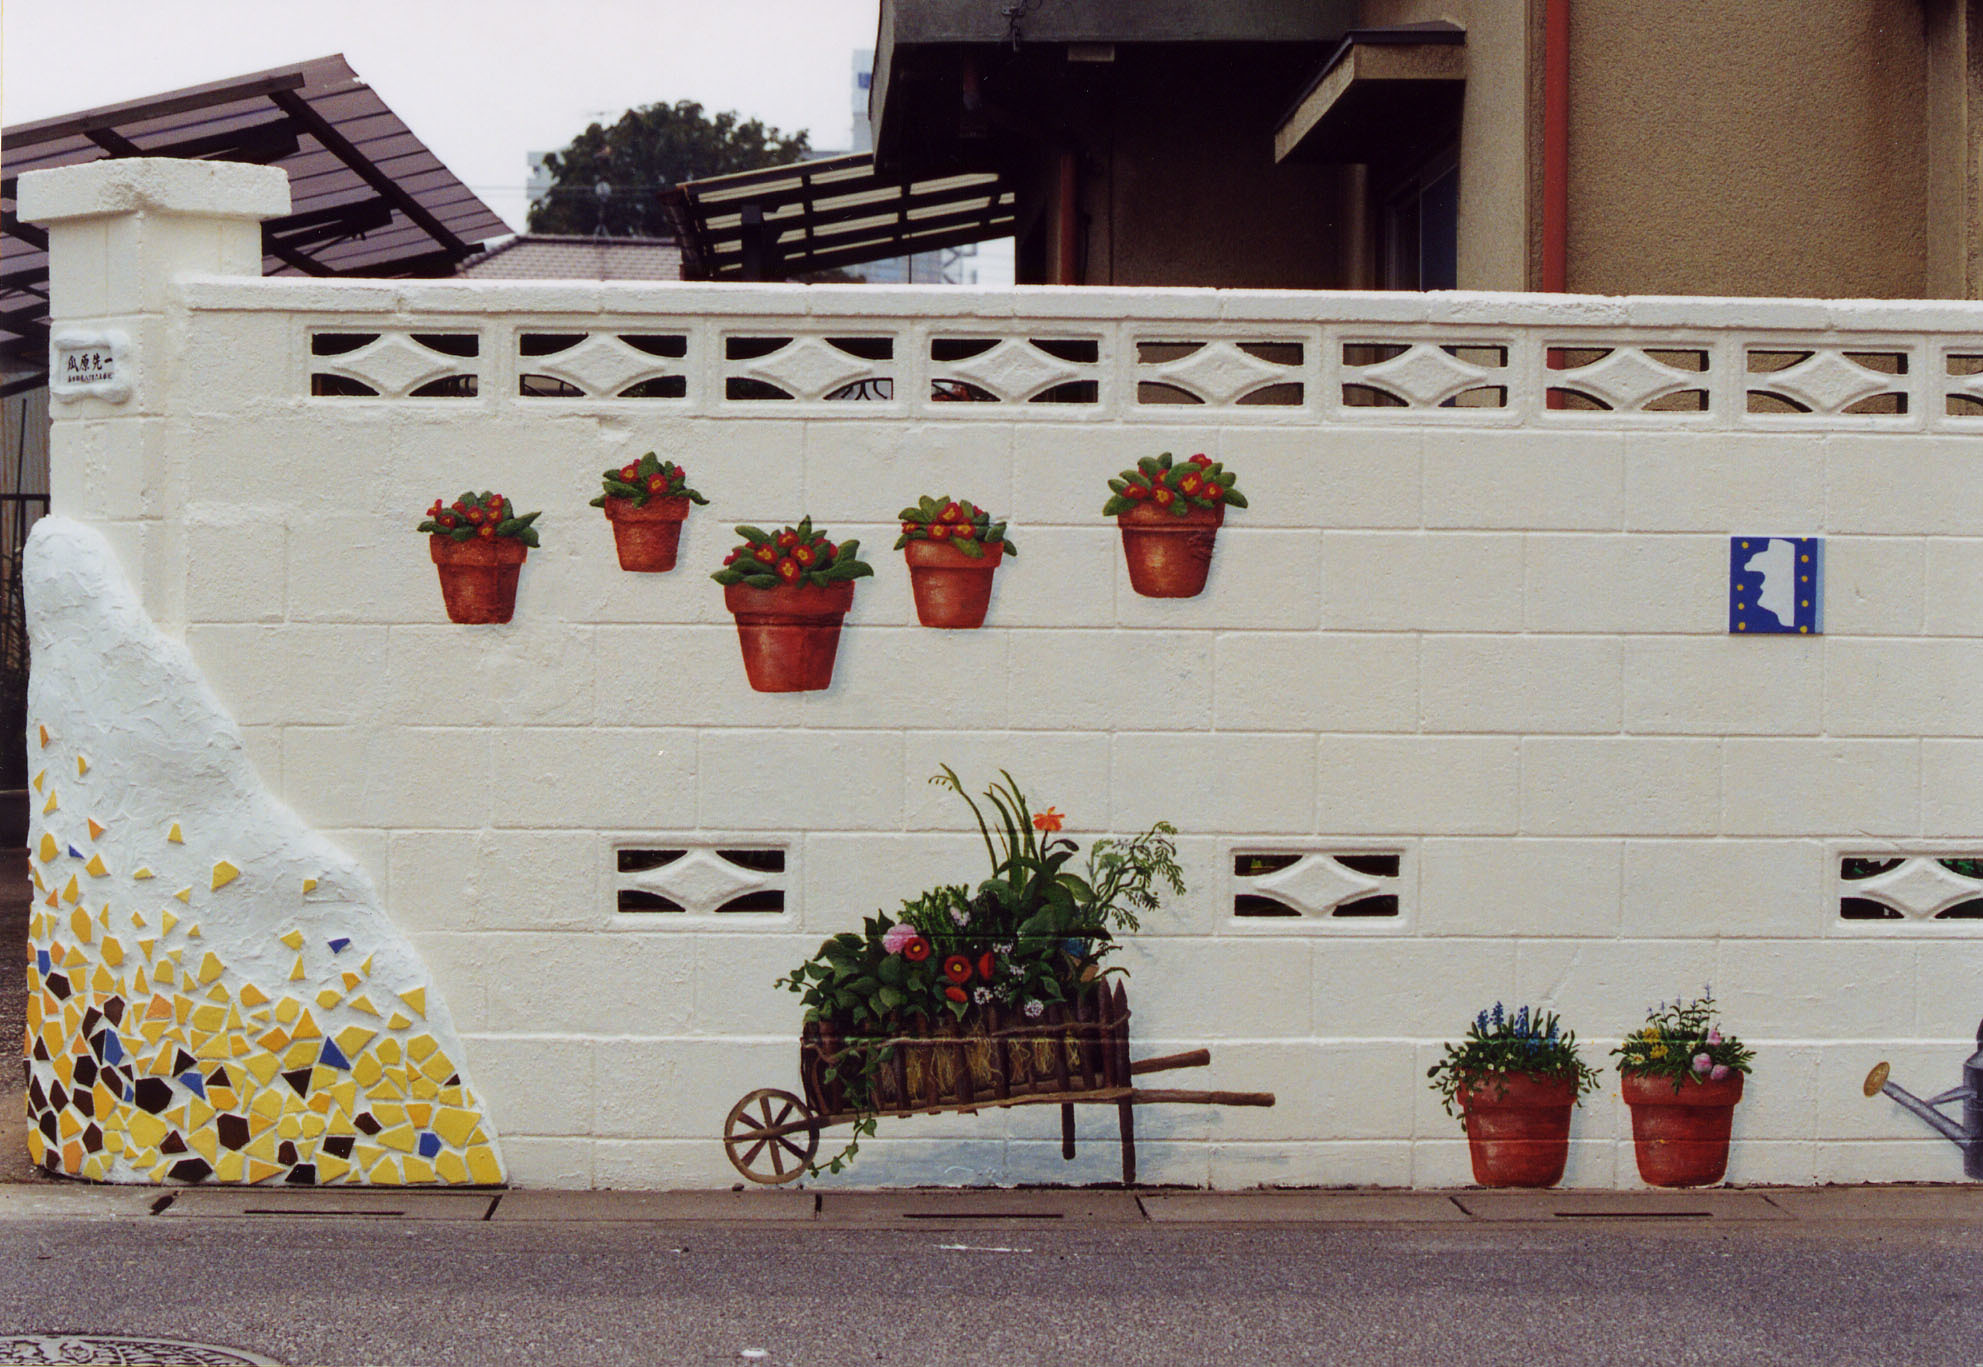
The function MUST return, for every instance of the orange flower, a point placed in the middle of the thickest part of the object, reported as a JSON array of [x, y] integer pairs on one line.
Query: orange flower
[[1049, 820]]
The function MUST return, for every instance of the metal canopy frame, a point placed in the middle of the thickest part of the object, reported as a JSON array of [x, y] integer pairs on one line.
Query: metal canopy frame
[[837, 211], [367, 196]]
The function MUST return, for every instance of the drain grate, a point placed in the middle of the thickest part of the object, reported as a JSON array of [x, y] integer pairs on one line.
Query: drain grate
[[1633, 1214], [981, 1215], [90, 1349]]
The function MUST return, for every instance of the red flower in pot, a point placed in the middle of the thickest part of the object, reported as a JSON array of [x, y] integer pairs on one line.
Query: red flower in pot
[[789, 591], [953, 549], [646, 502], [478, 544], [1169, 515]]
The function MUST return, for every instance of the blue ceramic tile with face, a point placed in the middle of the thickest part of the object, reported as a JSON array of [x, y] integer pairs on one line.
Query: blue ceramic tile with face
[[1776, 585]]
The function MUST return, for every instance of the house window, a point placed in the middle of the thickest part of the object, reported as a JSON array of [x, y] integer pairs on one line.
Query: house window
[[1421, 228]]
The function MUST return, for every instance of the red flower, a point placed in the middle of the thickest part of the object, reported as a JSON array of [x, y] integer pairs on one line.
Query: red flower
[[910, 526], [435, 511], [1137, 492], [1213, 490], [629, 473], [789, 570], [730, 558], [787, 540], [459, 506], [963, 531], [916, 950], [488, 529], [656, 483], [1201, 459], [951, 512], [987, 965], [764, 553], [1162, 497], [447, 520], [939, 531], [1189, 484], [957, 968], [805, 555], [477, 516], [955, 994], [1049, 820]]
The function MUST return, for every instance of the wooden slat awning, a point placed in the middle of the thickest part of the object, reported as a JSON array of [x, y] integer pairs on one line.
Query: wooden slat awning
[[366, 196], [837, 211]]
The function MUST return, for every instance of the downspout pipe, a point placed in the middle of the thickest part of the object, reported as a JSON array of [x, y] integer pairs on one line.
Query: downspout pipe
[[1066, 220], [1556, 146]]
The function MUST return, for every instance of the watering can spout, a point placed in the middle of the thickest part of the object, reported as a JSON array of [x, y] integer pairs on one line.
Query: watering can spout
[[1878, 1085]]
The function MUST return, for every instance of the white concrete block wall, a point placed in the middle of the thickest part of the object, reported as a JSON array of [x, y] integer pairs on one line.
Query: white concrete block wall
[[1491, 639]]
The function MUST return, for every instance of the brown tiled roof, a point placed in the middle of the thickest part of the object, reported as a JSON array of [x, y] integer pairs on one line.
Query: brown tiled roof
[[367, 197], [542, 256]]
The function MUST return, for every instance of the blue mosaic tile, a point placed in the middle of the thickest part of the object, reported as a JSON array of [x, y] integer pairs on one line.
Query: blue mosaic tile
[[195, 1084], [340, 944], [333, 1057], [430, 1143]]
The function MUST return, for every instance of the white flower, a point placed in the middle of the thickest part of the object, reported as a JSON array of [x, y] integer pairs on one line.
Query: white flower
[[961, 915], [981, 995], [1035, 1009]]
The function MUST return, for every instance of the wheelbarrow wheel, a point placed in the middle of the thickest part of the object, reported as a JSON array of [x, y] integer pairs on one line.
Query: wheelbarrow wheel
[[757, 1148]]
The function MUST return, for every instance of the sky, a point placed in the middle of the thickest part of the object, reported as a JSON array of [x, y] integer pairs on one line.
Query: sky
[[481, 82]]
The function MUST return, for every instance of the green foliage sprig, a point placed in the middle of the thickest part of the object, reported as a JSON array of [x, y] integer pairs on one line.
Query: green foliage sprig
[[791, 555], [963, 524], [1498, 1045], [485, 515], [649, 477], [1681, 1040], [1200, 482]]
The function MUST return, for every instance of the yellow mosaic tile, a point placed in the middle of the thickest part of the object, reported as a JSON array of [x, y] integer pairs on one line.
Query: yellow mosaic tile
[[363, 1003], [40, 775], [96, 868], [173, 836], [223, 874], [252, 995], [49, 806], [82, 766], [142, 873], [309, 886], [97, 828], [416, 999], [49, 849], [483, 1168]]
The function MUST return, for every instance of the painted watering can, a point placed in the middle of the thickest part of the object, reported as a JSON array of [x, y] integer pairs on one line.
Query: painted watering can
[[1968, 1135]]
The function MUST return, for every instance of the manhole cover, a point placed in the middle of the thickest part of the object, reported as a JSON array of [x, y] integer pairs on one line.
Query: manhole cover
[[127, 1352]]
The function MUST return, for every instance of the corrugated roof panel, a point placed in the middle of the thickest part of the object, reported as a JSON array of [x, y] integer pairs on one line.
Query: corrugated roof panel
[[320, 179]]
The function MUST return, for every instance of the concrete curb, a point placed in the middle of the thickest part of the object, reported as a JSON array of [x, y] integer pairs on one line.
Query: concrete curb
[[990, 1208]]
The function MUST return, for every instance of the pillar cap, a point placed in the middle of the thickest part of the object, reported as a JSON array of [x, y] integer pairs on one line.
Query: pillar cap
[[160, 185]]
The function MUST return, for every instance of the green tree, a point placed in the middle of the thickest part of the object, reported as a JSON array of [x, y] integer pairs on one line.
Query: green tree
[[610, 179]]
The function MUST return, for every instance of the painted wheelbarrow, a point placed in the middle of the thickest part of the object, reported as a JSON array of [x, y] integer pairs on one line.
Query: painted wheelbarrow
[[1066, 1057]]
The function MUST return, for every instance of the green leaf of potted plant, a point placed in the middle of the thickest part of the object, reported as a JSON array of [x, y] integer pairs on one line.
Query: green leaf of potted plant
[[478, 544], [647, 501], [1515, 1079], [1169, 515], [1682, 1077], [790, 590], [953, 549]]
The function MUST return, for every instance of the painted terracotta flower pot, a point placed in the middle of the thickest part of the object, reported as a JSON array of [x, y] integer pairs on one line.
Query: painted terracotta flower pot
[[789, 634], [1169, 556], [478, 576], [1518, 1128], [1681, 1137], [952, 590], [647, 536]]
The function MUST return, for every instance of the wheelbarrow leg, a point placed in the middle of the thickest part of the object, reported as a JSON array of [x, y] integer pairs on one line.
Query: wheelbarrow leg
[[1127, 1113], [1067, 1129]]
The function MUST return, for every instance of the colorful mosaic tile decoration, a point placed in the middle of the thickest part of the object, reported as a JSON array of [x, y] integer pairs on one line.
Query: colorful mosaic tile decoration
[[151, 1056]]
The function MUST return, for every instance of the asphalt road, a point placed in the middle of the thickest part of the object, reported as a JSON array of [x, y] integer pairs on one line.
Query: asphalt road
[[349, 1290]]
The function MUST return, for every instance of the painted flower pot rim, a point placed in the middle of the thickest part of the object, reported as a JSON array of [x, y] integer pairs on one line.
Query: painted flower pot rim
[[656, 509], [1656, 1089], [944, 555], [1149, 515], [477, 550], [791, 600]]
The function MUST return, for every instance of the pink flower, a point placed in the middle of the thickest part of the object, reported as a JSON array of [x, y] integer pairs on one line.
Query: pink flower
[[1702, 1063], [1714, 1037], [1720, 1072], [898, 937]]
